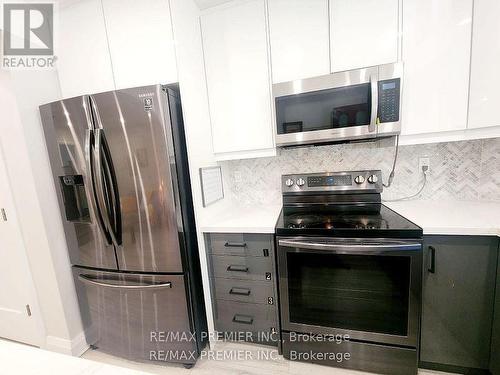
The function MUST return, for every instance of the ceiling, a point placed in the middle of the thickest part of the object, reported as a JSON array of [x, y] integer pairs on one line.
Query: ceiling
[[203, 4]]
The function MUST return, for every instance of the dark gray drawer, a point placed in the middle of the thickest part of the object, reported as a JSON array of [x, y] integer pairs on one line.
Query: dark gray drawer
[[261, 292], [243, 268], [247, 321], [255, 245]]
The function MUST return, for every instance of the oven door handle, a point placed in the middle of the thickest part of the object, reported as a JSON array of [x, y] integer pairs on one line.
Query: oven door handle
[[351, 247]]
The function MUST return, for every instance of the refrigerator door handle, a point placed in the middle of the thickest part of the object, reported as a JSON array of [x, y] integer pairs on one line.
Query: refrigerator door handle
[[89, 145], [105, 201], [112, 194], [101, 282], [101, 198]]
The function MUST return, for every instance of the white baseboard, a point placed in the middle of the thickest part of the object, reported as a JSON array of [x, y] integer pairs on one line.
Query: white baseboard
[[75, 347]]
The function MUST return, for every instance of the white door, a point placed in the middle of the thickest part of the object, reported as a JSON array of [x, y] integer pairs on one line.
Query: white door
[[436, 56], [238, 77], [299, 37], [363, 33], [83, 59], [17, 301], [141, 42], [484, 79]]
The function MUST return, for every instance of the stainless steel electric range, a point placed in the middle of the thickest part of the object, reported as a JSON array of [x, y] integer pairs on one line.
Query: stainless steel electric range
[[350, 274]]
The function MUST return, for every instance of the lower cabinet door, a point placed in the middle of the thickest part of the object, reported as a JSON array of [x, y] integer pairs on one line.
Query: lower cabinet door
[[458, 298], [136, 316], [495, 332]]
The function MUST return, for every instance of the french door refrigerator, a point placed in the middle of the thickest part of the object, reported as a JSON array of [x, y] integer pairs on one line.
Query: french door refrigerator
[[120, 168]]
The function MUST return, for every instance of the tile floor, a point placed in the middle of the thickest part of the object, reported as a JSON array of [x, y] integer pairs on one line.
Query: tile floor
[[26, 360]]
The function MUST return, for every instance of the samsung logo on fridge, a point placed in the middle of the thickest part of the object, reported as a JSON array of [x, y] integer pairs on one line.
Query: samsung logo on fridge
[[146, 95]]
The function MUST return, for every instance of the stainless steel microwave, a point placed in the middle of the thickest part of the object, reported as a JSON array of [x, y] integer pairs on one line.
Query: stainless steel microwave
[[352, 105]]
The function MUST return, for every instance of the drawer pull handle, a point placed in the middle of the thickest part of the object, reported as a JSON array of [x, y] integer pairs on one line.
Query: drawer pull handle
[[235, 244], [240, 291], [244, 319], [237, 268]]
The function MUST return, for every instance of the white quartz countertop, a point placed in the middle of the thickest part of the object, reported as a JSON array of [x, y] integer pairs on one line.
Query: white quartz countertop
[[230, 217], [452, 217], [435, 217]]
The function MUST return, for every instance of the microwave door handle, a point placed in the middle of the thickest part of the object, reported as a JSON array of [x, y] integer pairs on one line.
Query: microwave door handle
[[374, 104], [91, 179], [350, 247]]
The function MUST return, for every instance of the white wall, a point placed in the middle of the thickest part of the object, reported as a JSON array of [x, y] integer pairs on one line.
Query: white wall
[[28, 168]]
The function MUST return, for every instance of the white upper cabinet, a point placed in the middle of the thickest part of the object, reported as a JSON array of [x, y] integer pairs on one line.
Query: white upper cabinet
[[299, 35], [141, 42], [238, 77], [83, 61], [363, 33], [436, 56], [484, 100]]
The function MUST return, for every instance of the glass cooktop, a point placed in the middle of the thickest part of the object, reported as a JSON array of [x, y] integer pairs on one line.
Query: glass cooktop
[[368, 220]]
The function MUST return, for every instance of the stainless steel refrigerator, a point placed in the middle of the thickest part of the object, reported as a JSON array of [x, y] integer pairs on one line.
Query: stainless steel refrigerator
[[120, 168]]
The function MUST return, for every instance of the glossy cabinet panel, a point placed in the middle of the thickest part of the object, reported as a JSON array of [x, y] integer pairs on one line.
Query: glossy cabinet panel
[[458, 299], [485, 79], [83, 63], [363, 33], [299, 37], [495, 332], [141, 42], [436, 56], [238, 76]]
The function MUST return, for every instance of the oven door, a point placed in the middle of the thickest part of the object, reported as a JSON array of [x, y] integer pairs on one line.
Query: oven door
[[368, 289]]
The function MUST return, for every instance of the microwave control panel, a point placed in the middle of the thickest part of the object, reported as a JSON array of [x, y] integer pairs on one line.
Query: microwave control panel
[[388, 100]]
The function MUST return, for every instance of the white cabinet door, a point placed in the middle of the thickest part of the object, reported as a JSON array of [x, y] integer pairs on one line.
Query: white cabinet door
[[237, 68], [83, 61], [436, 56], [141, 42], [484, 107], [299, 35], [363, 33]]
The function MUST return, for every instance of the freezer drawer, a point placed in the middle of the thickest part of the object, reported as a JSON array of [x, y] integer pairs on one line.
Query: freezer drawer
[[136, 316]]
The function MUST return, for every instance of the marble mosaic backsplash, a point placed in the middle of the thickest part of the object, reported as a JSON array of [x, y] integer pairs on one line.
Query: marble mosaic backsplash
[[465, 170]]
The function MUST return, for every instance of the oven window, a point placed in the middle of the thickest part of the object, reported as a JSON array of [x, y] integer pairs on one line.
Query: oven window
[[354, 292], [326, 109]]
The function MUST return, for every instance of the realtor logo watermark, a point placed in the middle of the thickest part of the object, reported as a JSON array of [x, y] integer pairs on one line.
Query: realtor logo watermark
[[28, 37]]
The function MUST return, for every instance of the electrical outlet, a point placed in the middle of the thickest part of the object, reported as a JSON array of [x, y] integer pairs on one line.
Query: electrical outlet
[[237, 177], [424, 162]]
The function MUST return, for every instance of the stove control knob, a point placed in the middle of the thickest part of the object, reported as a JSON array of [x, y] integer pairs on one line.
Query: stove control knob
[[300, 182], [359, 179], [289, 182], [373, 179]]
